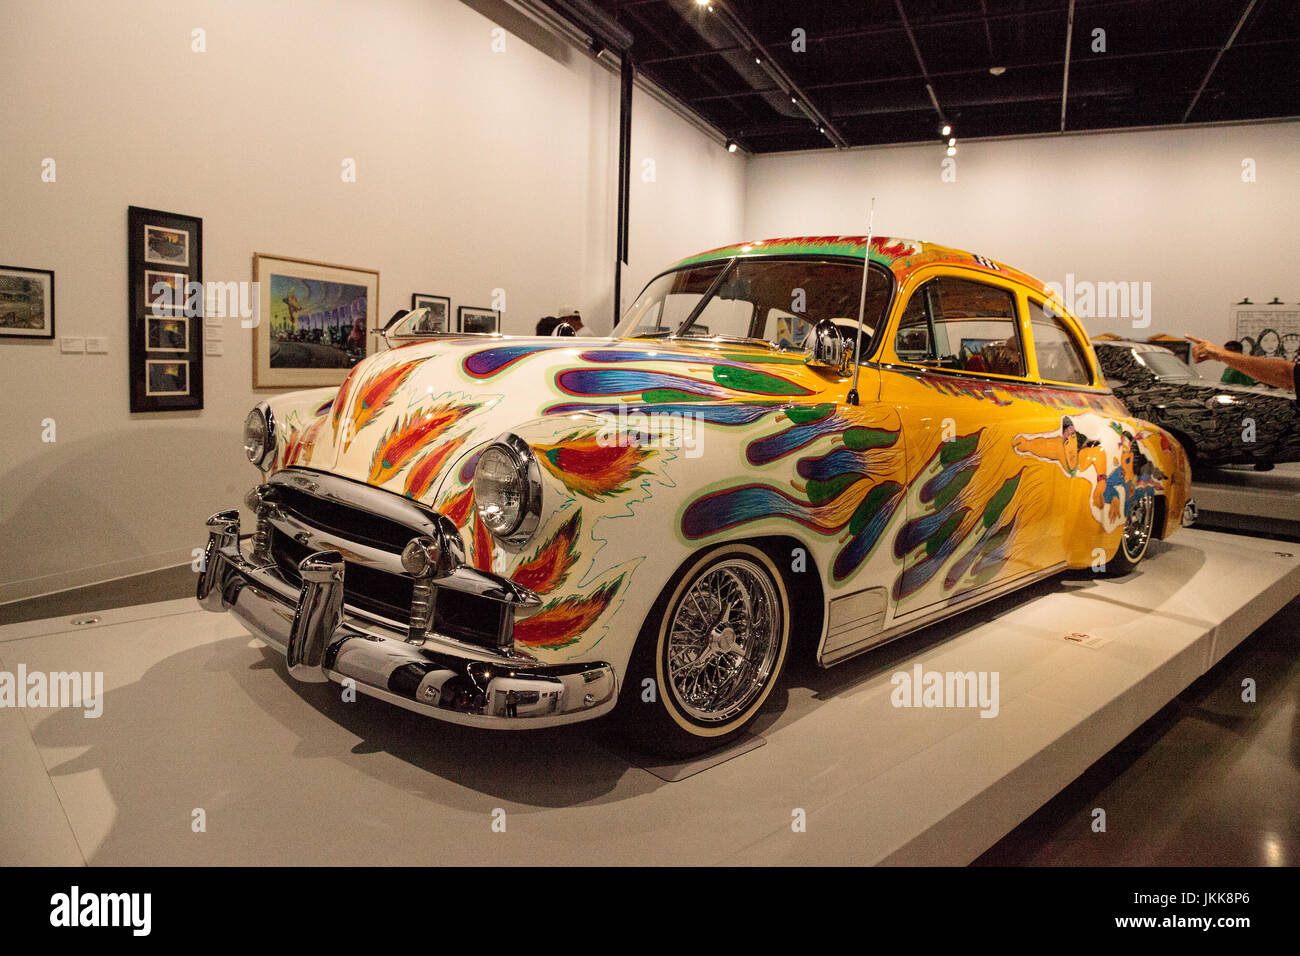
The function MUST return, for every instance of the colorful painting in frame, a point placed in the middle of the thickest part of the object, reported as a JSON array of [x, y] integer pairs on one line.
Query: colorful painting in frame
[[26, 303], [315, 321]]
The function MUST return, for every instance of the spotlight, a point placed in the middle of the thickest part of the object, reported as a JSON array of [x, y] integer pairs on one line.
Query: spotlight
[[731, 145], [953, 141], [947, 130], [997, 70], [952, 150], [702, 3], [758, 61]]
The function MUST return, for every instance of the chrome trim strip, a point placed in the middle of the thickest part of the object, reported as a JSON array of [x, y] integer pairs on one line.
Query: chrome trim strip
[[355, 494], [317, 540]]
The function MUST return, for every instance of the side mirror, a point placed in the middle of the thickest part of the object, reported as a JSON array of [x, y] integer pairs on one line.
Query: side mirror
[[827, 348]]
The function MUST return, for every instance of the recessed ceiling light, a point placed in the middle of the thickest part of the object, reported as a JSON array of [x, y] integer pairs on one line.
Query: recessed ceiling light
[[997, 70]]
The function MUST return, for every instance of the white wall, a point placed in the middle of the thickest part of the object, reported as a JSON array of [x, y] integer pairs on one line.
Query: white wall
[[475, 170], [1167, 207]]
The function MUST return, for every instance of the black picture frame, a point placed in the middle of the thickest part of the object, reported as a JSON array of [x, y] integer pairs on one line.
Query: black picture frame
[[5, 333], [421, 299], [170, 244], [476, 312]]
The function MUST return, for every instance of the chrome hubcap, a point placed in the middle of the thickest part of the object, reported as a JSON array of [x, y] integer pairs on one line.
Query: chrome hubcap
[[723, 640], [1137, 529]]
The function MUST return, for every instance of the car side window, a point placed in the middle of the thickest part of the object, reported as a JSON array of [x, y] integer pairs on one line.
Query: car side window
[[1060, 357], [962, 325]]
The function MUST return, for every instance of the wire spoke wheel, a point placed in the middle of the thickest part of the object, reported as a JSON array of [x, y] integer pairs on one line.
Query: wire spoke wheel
[[724, 640], [1137, 528]]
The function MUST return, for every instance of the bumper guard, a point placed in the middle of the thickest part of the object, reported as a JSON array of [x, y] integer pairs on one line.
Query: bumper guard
[[440, 677]]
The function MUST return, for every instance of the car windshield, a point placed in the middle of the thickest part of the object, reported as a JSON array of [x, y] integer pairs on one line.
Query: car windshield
[[776, 301], [1167, 365], [420, 323]]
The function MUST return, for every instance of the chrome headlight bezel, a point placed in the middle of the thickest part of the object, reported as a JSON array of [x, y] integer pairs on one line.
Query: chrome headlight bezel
[[266, 452], [519, 530]]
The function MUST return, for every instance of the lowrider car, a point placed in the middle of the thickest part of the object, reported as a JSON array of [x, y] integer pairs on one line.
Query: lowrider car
[[515, 532], [1216, 424]]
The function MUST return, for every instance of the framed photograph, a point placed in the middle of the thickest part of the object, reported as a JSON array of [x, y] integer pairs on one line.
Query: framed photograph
[[169, 333], [167, 377], [471, 319], [164, 291], [314, 321], [439, 306], [165, 245], [26, 303], [165, 310]]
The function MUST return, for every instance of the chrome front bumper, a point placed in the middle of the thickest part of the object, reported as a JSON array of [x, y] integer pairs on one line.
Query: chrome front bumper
[[439, 676]]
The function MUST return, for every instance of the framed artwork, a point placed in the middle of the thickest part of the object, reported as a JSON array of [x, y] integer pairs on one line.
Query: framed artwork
[[471, 319], [165, 310], [26, 303], [167, 377], [167, 333], [314, 321], [166, 246], [439, 306]]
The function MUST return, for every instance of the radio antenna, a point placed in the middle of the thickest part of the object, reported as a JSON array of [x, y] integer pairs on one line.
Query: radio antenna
[[852, 398]]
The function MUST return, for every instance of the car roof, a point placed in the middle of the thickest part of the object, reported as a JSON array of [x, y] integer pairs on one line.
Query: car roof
[[901, 256]]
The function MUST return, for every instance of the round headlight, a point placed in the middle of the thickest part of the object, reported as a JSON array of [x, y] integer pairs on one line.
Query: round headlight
[[258, 439], [507, 490]]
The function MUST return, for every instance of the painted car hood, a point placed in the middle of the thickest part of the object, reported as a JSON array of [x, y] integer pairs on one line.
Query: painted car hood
[[407, 418]]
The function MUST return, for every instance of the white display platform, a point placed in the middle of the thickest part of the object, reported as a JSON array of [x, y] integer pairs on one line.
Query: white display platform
[[199, 716], [1242, 498]]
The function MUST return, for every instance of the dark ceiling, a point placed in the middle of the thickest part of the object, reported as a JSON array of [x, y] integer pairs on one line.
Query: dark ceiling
[[869, 66]]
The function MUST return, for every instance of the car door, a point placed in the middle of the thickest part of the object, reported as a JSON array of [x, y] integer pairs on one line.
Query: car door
[[956, 365]]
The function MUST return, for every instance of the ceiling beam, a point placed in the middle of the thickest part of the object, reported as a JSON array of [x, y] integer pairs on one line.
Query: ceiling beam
[[699, 55], [952, 21], [1241, 21], [745, 36], [667, 44], [1065, 78], [920, 61], [988, 33], [1037, 64]]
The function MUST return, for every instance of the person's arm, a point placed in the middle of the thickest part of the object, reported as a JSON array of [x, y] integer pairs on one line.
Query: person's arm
[[1278, 372]]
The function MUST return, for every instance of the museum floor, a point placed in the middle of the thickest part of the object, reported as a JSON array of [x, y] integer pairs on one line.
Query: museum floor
[[199, 715]]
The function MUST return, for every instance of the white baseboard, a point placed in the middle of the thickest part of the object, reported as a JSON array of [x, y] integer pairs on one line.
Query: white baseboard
[[96, 574]]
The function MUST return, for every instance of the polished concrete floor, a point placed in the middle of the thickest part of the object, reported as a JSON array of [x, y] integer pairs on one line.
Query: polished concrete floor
[[287, 773]]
